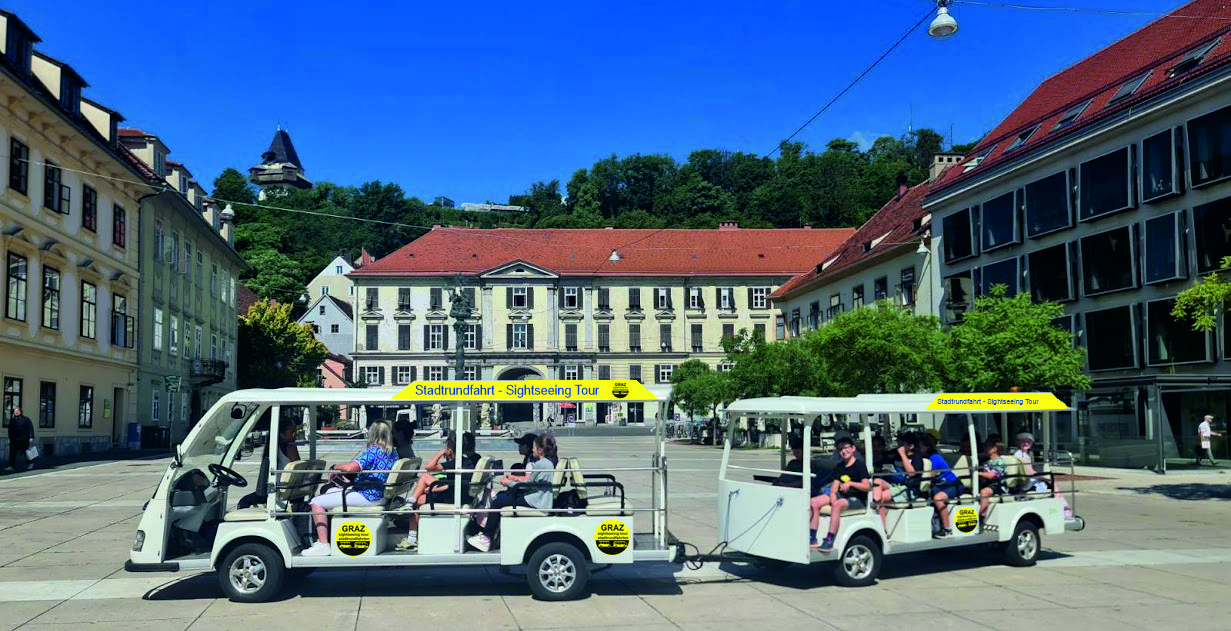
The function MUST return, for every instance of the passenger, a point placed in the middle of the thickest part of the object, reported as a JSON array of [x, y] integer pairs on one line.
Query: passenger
[[1025, 443], [907, 463], [444, 460], [378, 456], [882, 459], [525, 449], [991, 476], [541, 470], [849, 489], [404, 436], [945, 486], [287, 453], [795, 465]]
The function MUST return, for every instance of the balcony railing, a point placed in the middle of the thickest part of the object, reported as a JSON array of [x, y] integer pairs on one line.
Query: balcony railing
[[209, 370]]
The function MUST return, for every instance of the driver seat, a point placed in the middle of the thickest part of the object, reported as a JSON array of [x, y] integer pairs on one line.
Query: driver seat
[[294, 483]]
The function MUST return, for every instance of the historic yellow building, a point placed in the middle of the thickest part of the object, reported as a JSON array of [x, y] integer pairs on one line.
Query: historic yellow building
[[68, 216], [572, 304]]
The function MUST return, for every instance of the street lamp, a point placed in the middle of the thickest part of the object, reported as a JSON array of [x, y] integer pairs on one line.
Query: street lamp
[[944, 26]]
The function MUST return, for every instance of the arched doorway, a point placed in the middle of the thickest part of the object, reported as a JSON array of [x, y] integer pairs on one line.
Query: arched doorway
[[515, 412]]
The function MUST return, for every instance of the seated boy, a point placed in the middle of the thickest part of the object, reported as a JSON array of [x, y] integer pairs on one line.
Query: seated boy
[[849, 489]]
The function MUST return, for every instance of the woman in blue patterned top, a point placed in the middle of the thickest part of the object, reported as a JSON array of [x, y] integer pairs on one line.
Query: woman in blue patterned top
[[379, 456]]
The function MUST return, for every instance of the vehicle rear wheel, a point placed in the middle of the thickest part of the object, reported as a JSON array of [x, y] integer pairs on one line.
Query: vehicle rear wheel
[[1022, 550], [859, 564], [251, 573], [557, 571]]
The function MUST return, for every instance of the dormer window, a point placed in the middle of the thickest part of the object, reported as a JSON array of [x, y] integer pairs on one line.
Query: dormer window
[[19, 47], [183, 185], [974, 162], [1129, 87], [1193, 58], [160, 164], [70, 93], [1071, 115], [1021, 139]]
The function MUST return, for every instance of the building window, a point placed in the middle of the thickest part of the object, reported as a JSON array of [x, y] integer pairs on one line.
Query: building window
[[18, 274], [213, 281], [324, 290], [958, 236], [520, 297], [780, 327], [814, 315], [1172, 341], [1158, 167], [159, 240], [959, 295], [835, 305], [213, 347], [664, 337], [1212, 232], [726, 298], [51, 297], [371, 375], [89, 310], [1105, 183], [1209, 147], [520, 336], [333, 328], [857, 297], [634, 374], [371, 337], [695, 332], [604, 372], [906, 289], [123, 326], [634, 299], [664, 372], [12, 397], [880, 288], [1048, 205], [572, 298], [1111, 338], [758, 331], [695, 301], [85, 407], [662, 298], [403, 299], [725, 367], [571, 372], [173, 345], [1048, 271], [471, 336], [1000, 273], [634, 338], [186, 267], [470, 373], [1108, 262], [158, 326], [999, 221], [403, 336], [1021, 139], [436, 298], [436, 337], [155, 406], [56, 196], [1071, 115], [604, 299], [758, 297], [570, 337], [89, 208], [119, 226], [200, 268], [728, 331], [401, 375], [435, 373], [19, 169], [337, 269], [795, 322], [173, 253], [1164, 243], [46, 404], [604, 338], [1129, 87], [321, 310]]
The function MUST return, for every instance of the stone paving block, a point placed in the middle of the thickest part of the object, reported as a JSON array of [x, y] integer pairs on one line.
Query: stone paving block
[[121, 610], [593, 612], [441, 613], [172, 624], [1092, 595], [989, 598], [933, 623], [747, 607], [15, 614], [872, 600]]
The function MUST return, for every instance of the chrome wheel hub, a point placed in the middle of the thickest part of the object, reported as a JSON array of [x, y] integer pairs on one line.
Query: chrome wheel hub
[[247, 574], [858, 562], [557, 573]]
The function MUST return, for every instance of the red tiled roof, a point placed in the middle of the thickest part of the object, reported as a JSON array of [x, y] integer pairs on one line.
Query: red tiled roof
[[1155, 48], [133, 132], [587, 252], [138, 163], [245, 298], [892, 225]]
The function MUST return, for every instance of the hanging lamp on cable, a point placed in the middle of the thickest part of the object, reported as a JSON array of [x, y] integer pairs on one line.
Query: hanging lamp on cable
[[944, 26]]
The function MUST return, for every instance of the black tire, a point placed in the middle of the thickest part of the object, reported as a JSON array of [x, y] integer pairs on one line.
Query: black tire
[[558, 571], [1022, 550], [860, 562], [252, 573]]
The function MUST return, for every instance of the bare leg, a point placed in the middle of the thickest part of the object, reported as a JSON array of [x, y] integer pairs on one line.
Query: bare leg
[[942, 509], [835, 516], [818, 502], [321, 523], [984, 502]]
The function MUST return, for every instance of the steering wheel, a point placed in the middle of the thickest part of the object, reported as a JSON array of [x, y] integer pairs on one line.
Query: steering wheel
[[227, 476]]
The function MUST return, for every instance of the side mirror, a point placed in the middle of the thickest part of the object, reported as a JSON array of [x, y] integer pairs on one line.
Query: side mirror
[[179, 455], [237, 412]]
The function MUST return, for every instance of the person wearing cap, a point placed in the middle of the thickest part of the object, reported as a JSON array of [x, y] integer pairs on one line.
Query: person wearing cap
[[444, 460], [1204, 432], [1025, 443], [945, 487], [525, 449], [849, 489], [796, 466]]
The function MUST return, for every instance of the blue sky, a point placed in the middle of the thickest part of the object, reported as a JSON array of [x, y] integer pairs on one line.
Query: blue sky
[[477, 100]]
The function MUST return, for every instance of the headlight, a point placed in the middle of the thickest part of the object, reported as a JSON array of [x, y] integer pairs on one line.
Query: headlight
[[139, 541]]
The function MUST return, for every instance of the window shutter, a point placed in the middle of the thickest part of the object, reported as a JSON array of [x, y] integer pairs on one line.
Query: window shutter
[[413, 376], [478, 337], [508, 336], [701, 297], [657, 373], [444, 374], [604, 298], [444, 336], [718, 297], [508, 297], [634, 297], [560, 297], [750, 298], [561, 372], [529, 297], [668, 292], [380, 372], [427, 337], [530, 336], [581, 296]]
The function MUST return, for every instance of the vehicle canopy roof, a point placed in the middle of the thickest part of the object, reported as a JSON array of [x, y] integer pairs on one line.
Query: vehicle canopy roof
[[810, 407]]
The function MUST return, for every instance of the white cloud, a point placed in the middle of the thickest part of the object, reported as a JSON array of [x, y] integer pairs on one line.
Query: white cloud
[[864, 139]]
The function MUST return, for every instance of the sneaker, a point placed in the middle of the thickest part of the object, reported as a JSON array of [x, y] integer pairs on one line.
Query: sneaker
[[411, 542], [827, 544], [480, 542], [318, 549], [942, 533], [812, 542]]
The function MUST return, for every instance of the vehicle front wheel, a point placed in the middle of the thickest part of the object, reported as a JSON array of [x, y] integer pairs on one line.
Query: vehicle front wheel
[[1022, 550], [859, 564], [251, 573], [558, 571]]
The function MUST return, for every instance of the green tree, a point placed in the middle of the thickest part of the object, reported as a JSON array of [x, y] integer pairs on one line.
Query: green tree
[[1013, 342], [1201, 302], [883, 350], [275, 351], [232, 186], [761, 369]]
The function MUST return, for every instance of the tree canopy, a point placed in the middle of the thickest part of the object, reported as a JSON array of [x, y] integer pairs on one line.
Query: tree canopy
[[1201, 302], [881, 349], [275, 351]]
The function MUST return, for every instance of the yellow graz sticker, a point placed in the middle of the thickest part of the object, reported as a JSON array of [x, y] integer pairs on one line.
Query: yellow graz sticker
[[966, 520], [353, 538], [612, 537]]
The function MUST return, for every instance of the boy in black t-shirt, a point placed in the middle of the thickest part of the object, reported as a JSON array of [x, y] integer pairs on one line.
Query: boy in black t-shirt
[[849, 488]]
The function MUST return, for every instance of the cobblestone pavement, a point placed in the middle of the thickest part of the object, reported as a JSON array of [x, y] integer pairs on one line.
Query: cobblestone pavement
[[1157, 553]]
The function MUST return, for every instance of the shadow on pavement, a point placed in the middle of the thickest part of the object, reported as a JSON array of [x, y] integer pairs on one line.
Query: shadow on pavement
[[1194, 491]]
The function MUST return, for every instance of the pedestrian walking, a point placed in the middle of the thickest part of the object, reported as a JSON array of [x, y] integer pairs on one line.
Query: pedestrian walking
[[21, 434], [1204, 432]]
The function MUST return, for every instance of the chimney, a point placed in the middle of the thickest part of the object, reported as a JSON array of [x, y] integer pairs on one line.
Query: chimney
[[728, 225], [940, 162], [365, 258], [901, 185]]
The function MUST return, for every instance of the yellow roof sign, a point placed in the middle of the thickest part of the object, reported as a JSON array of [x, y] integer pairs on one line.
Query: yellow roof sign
[[526, 391], [1008, 401]]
